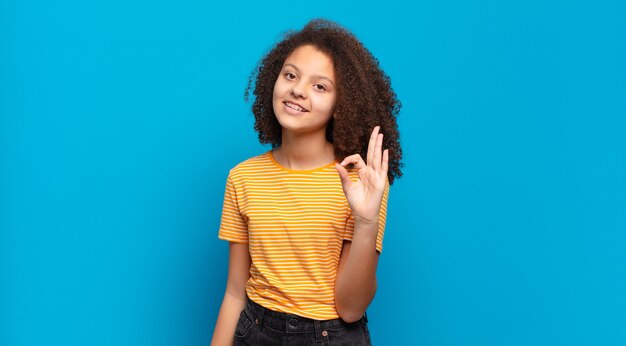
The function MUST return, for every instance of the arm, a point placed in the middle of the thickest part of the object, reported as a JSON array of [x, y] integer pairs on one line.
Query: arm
[[235, 296], [355, 285]]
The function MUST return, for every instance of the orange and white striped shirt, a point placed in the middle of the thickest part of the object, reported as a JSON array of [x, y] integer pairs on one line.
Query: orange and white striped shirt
[[294, 223]]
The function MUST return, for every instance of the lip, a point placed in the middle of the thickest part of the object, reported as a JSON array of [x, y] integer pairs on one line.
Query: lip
[[293, 111]]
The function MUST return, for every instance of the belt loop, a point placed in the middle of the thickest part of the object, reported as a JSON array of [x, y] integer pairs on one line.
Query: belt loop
[[318, 331], [258, 312], [261, 314]]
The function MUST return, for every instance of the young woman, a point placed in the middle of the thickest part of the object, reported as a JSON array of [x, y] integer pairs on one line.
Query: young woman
[[305, 220]]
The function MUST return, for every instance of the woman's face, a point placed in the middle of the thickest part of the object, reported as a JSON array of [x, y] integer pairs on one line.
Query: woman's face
[[305, 92]]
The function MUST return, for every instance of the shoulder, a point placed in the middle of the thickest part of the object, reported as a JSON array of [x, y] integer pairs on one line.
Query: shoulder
[[250, 166]]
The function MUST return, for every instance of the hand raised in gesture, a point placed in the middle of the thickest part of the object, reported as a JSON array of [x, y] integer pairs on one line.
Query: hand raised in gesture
[[365, 196]]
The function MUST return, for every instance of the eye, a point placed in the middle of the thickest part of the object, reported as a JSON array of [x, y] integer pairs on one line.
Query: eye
[[320, 87], [290, 76]]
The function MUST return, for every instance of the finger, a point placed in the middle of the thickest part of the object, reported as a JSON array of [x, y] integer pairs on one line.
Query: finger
[[385, 161], [344, 176], [372, 143], [377, 152], [356, 159]]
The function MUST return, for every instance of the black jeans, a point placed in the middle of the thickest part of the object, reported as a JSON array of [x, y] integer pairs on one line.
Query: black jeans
[[259, 326]]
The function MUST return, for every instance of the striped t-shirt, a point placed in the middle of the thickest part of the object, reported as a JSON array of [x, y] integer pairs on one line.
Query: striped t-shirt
[[294, 223]]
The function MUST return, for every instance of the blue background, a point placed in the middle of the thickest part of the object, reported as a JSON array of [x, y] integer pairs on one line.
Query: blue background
[[119, 121]]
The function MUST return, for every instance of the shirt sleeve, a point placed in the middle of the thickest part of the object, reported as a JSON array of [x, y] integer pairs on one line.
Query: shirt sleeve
[[233, 226], [381, 221]]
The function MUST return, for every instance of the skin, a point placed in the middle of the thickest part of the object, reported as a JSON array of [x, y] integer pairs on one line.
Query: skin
[[235, 296], [355, 285], [308, 79]]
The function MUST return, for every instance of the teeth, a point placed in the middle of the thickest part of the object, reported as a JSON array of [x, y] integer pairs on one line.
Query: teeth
[[296, 107]]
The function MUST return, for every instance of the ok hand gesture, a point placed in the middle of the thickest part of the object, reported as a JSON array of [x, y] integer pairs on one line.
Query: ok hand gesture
[[365, 196]]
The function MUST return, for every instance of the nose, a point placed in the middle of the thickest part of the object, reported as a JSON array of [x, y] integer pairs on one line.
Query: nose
[[298, 90]]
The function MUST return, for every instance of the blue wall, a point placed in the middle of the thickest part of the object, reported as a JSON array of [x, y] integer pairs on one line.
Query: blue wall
[[119, 121]]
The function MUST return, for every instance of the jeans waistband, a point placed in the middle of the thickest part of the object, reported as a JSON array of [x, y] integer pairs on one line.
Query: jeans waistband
[[291, 323]]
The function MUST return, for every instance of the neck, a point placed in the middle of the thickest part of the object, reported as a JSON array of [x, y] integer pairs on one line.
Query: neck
[[303, 152]]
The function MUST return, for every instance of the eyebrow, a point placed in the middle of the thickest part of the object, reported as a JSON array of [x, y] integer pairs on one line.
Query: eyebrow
[[318, 76]]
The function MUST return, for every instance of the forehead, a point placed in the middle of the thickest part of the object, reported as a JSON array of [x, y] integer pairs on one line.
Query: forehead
[[308, 59]]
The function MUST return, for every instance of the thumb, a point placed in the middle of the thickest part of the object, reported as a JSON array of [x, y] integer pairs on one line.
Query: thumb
[[344, 176]]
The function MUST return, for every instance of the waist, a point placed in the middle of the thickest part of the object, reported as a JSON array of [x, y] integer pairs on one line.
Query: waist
[[293, 323]]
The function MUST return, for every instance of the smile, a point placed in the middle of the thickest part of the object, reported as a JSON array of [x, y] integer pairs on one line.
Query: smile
[[294, 107]]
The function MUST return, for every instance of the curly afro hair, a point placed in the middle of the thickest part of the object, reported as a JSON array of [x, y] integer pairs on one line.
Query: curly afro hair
[[365, 98]]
